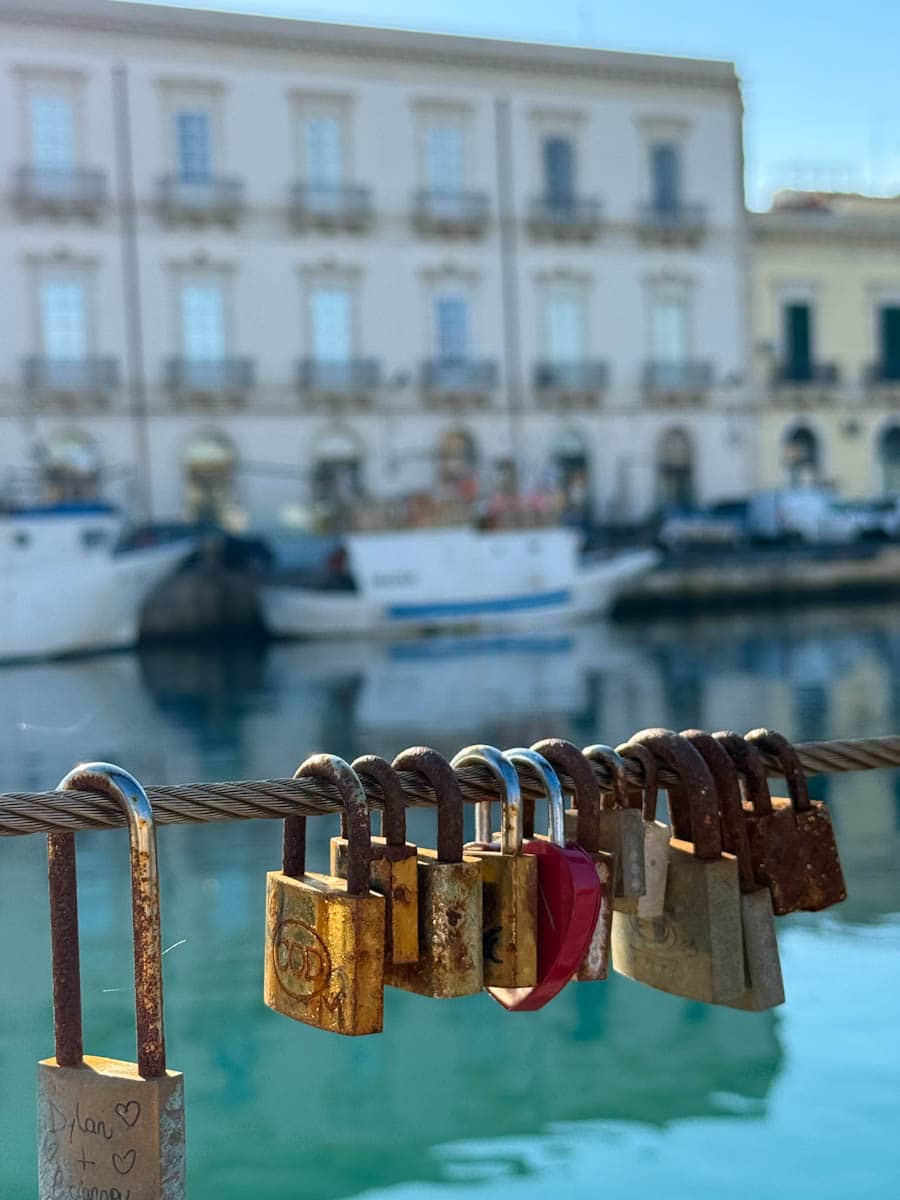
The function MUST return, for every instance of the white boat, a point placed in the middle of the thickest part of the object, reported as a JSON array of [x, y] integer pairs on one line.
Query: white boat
[[66, 588], [420, 580]]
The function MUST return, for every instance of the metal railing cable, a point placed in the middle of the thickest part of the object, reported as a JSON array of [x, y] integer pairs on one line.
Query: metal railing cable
[[191, 803]]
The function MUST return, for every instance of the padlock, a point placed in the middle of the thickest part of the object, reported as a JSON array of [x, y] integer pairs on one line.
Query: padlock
[[325, 936], [763, 983], [509, 877], [656, 839], [567, 759], [621, 827], [695, 948], [569, 898], [450, 912], [105, 1127], [393, 863]]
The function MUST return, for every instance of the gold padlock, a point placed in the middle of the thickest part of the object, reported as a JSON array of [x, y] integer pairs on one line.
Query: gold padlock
[[450, 948], [621, 827], [107, 1127], [325, 936], [509, 877], [763, 983], [695, 948], [656, 839], [393, 863], [567, 760]]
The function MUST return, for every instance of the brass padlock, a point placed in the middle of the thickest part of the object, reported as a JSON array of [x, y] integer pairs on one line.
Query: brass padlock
[[325, 936], [450, 923], [656, 838], [567, 760], [393, 863], [509, 877], [763, 982], [695, 948], [105, 1127], [621, 827]]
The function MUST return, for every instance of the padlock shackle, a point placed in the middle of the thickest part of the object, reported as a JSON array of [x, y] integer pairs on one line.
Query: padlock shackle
[[118, 785], [511, 825], [393, 815], [731, 810], [650, 787], [751, 769], [600, 753], [328, 768], [693, 803], [566, 759], [440, 776], [538, 765], [778, 746]]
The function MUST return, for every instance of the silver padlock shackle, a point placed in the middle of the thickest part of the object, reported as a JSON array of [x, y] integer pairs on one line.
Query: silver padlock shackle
[[118, 785], [538, 765], [511, 826]]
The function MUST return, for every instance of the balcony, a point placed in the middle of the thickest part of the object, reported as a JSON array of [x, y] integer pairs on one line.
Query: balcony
[[315, 207], [70, 383], [458, 382], [210, 383], [672, 224], [569, 218], [882, 374], [572, 384], [217, 199], [349, 384], [676, 381], [55, 191], [451, 214], [801, 384]]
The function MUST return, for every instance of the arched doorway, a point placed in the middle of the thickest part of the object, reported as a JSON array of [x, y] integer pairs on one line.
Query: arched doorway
[[889, 458], [210, 470], [337, 473], [73, 467], [571, 463], [457, 461], [675, 469], [801, 457]]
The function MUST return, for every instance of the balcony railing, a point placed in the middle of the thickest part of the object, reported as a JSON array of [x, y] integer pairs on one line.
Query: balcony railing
[[569, 217], [464, 213], [214, 199], [677, 379], [675, 222], [210, 376], [571, 377], [330, 207], [808, 374], [353, 377], [62, 190], [882, 374], [459, 377], [70, 376]]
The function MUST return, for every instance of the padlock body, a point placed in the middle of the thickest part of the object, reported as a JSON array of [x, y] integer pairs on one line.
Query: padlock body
[[324, 953], [763, 983], [509, 915], [595, 964], [656, 858], [450, 931], [694, 949], [104, 1130], [621, 832], [394, 875], [795, 856]]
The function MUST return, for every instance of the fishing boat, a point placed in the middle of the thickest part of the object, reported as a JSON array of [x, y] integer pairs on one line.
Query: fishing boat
[[414, 581], [68, 584]]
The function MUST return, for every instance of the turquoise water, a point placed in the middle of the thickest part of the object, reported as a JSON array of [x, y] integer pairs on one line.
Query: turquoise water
[[612, 1089]]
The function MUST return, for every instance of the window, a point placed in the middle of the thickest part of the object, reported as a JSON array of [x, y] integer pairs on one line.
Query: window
[[564, 319], [451, 318], [665, 177], [444, 158], [889, 456], [324, 152], [331, 311], [889, 335], [202, 321], [675, 469], [797, 334], [669, 331], [193, 145], [52, 132], [63, 319], [801, 457], [559, 172]]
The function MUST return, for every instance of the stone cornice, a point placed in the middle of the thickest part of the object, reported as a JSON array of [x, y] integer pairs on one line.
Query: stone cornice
[[832, 228]]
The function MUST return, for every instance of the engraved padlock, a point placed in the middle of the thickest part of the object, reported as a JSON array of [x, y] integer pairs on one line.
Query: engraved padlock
[[567, 760], [450, 923], [509, 877], [107, 1127], [763, 983], [393, 863], [324, 961], [656, 838], [621, 827]]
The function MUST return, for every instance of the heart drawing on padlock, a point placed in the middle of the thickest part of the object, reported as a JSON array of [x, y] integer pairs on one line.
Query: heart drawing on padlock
[[568, 899]]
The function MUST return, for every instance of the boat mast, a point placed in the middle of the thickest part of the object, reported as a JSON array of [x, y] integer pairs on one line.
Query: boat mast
[[509, 276]]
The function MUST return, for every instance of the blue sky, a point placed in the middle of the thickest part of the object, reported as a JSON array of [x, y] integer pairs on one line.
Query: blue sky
[[821, 79]]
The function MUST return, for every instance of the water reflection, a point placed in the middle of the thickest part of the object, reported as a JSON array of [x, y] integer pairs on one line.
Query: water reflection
[[456, 1091]]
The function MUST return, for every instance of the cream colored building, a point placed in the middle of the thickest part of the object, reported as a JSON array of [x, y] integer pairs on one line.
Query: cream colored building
[[826, 330], [256, 261]]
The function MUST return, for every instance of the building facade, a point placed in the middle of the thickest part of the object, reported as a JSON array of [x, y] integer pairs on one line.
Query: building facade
[[255, 262], [826, 321]]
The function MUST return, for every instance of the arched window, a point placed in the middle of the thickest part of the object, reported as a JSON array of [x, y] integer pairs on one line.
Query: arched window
[[675, 469], [73, 467], [889, 458], [337, 473], [571, 463], [801, 456], [457, 460], [210, 477]]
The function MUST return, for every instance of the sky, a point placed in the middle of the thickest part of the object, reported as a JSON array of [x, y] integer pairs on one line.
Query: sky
[[820, 77]]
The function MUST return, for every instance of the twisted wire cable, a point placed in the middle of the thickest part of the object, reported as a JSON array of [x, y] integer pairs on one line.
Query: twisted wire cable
[[54, 812]]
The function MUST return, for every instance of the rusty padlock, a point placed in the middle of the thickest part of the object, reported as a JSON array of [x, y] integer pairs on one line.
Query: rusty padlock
[[567, 760], [325, 936], [107, 1127], [509, 877], [450, 912], [764, 985], [621, 827], [695, 948], [656, 838], [394, 874]]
